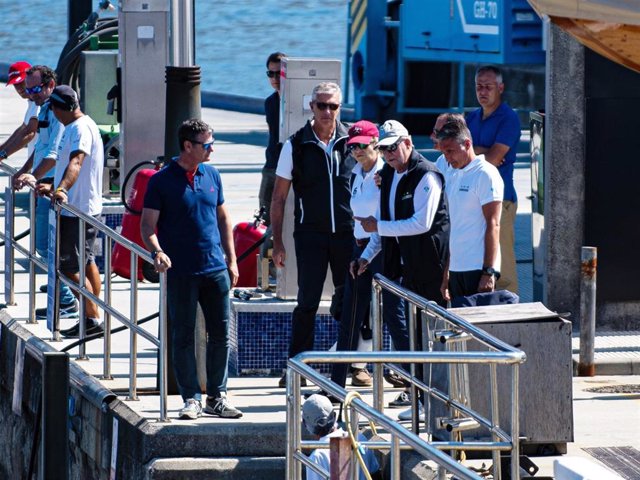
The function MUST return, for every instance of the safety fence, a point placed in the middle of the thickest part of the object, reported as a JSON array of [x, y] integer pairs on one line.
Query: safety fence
[[454, 331], [128, 319]]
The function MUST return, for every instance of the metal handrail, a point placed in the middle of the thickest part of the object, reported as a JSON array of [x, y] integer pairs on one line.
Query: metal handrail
[[130, 320], [402, 438]]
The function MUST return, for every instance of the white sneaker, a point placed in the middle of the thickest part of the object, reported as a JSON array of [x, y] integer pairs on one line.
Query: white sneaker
[[192, 409], [406, 414]]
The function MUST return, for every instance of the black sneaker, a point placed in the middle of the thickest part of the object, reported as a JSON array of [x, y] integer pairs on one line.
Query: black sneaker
[[43, 288], [402, 400], [282, 383], [332, 399], [91, 327], [221, 407], [67, 310]]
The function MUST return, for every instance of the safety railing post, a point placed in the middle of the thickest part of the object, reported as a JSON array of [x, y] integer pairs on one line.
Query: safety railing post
[[82, 282], [515, 423], [395, 458], [413, 345], [162, 340], [9, 223], [106, 366], [56, 274], [589, 266], [495, 418], [133, 337], [32, 253], [376, 315]]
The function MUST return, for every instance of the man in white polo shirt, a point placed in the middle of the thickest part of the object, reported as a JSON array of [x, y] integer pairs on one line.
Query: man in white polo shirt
[[474, 191]]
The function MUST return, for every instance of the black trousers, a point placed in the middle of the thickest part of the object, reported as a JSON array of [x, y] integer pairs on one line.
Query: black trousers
[[315, 251], [462, 284]]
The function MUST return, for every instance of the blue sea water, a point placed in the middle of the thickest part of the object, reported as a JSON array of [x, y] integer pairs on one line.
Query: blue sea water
[[233, 37]]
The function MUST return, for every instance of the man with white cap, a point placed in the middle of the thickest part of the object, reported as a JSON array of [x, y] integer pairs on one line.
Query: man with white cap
[[26, 132], [412, 226], [319, 418]]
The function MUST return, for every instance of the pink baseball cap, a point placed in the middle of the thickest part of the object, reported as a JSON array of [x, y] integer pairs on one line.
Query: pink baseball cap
[[18, 72], [362, 132]]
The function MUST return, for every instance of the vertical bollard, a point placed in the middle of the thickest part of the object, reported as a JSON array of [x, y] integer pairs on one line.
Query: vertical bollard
[[340, 455], [589, 264], [54, 450]]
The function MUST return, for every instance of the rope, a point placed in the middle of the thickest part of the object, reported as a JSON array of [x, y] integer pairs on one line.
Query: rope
[[355, 445]]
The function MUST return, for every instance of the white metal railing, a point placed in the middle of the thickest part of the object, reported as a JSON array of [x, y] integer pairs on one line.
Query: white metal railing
[[128, 319], [402, 438]]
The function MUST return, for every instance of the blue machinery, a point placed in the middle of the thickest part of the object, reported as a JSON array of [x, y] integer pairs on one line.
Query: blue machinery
[[408, 56]]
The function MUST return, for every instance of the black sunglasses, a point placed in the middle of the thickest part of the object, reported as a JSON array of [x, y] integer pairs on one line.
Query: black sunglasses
[[391, 148], [324, 106], [273, 74], [361, 146]]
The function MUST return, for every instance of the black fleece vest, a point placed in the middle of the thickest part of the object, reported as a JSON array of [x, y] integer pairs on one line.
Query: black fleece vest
[[420, 258], [321, 182]]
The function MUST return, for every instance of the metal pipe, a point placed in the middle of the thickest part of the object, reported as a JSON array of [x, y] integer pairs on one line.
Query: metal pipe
[[515, 423], [395, 457], [9, 258], [162, 340], [376, 327], [182, 52], [133, 339], [413, 345], [56, 274], [495, 418], [32, 253], [106, 364], [589, 267], [82, 287]]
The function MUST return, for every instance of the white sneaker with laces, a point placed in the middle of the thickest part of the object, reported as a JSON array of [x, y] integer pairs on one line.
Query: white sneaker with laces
[[406, 414], [192, 409]]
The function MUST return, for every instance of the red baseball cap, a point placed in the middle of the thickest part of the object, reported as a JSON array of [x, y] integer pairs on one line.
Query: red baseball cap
[[18, 72], [362, 132]]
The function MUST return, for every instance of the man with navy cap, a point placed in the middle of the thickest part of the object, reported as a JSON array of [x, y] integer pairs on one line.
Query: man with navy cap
[[77, 182], [319, 418]]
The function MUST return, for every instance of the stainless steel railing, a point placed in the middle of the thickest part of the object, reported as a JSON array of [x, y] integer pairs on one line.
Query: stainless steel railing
[[402, 438], [129, 319]]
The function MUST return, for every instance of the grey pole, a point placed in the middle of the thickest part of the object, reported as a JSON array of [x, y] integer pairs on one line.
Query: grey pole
[[54, 451], [589, 267]]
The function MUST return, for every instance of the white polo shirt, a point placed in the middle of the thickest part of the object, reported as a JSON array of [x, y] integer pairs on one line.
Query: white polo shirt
[[86, 193], [467, 190], [365, 196], [32, 112]]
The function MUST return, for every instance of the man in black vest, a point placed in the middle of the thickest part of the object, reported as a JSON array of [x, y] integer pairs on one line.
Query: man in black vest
[[412, 225], [316, 162]]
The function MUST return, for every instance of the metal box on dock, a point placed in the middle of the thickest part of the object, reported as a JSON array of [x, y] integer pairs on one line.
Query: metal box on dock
[[545, 381]]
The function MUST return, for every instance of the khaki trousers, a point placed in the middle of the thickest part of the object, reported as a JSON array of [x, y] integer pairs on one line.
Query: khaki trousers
[[508, 272]]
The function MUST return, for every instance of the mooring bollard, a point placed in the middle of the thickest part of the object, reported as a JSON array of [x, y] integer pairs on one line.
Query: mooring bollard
[[589, 267]]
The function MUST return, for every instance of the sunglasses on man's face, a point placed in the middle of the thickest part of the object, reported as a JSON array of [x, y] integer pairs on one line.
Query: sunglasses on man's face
[[273, 74], [36, 89], [391, 148], [205, 146], [323, 106]]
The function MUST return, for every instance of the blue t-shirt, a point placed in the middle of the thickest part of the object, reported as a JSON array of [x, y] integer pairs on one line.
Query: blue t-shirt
[[502, 126], [188, 222]]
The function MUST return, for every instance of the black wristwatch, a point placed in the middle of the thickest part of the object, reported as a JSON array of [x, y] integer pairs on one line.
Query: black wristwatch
[[492, 272], [3, 154], [155, 253]]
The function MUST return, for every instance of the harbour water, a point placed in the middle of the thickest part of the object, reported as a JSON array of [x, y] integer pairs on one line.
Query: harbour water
[[233, 37]]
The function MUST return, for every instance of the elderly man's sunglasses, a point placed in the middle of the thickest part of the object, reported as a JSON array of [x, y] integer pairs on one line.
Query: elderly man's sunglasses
[[391, 148], [273, 74], [36, 89], [323, 106]]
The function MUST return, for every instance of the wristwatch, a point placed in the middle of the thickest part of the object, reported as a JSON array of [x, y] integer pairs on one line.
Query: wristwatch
[[155, 253], [492, 272], [3, 154], [63, 190]]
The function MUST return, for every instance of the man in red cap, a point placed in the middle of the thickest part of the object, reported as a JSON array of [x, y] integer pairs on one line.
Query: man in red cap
[[26, 131]]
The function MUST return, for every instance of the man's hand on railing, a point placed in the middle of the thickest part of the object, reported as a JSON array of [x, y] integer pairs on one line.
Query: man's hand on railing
[[60, 195], [44, 189], [23, 179], [162, 262]]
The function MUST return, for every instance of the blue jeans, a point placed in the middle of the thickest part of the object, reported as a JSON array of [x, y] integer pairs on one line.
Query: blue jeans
[[211, 291], [42, 241]]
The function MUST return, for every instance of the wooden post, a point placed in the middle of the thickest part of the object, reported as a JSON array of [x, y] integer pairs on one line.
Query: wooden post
[[340, 458]]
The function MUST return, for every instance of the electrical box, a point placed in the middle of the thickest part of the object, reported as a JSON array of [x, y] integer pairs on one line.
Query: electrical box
[[143, 55], [97, 77], [298, 78]]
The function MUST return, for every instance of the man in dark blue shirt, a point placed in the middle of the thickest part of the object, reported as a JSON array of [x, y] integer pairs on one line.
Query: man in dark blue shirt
[[495, 130], [272, 113], [185, 204]]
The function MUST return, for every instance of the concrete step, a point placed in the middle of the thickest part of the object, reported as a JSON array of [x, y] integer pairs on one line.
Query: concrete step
[[232, 468]]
